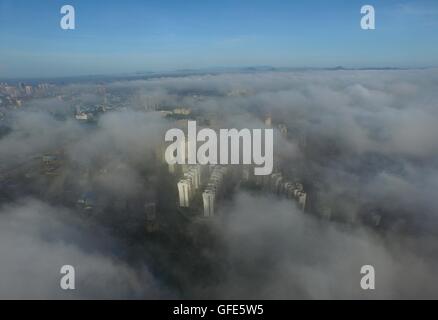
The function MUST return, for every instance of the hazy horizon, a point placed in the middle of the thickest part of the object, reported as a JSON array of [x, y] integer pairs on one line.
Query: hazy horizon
[[126, 37]]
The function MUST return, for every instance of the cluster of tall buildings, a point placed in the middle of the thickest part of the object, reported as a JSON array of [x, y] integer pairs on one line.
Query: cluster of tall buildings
[[8, 90], [210, 181], [277, 184], [213, 189], [194, 178], [188, 185], [22, 89], [13, 95], [295, 190]]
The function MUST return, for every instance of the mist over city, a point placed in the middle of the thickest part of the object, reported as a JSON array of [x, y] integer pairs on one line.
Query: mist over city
[[84, 182]]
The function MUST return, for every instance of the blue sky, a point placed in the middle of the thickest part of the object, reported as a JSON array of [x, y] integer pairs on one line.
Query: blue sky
[[129, 36]]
